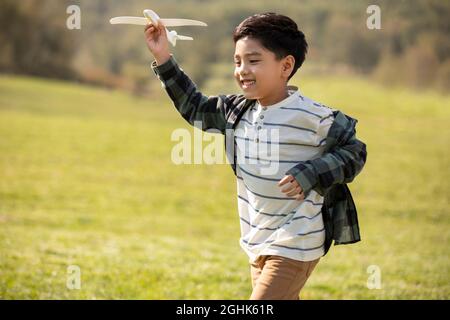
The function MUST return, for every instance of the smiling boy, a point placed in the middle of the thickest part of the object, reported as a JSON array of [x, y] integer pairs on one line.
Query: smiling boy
[[290, 216]]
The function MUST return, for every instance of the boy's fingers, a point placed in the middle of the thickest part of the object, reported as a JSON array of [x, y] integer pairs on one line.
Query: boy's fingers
[[162, 29], [149, 32], [285, 180], [150, 27], [288, 188], [301, 196], [294, 192], [295, 183]]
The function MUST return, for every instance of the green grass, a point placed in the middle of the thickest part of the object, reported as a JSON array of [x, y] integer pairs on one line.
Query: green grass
[[86, 179]]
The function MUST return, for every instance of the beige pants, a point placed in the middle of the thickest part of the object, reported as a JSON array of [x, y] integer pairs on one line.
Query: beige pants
[[279, 278]]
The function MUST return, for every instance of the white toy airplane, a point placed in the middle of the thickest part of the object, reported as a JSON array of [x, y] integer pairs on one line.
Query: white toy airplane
[[152, 18]]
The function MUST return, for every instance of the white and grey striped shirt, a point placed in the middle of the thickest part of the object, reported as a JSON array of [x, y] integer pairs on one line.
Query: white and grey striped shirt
[[269, 141]]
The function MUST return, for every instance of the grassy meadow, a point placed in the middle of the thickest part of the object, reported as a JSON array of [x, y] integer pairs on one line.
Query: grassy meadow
[[86, 179]]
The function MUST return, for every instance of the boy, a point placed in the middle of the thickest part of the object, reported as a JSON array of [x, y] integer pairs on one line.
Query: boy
[[289, 215]]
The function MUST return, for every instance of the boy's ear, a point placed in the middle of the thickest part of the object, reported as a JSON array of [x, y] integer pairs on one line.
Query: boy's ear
[[288, 64]]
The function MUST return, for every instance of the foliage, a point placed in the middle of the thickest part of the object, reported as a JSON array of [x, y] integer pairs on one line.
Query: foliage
[[412, 47]]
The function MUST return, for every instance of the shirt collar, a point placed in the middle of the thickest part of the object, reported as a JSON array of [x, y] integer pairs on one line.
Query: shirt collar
[[293, 94]]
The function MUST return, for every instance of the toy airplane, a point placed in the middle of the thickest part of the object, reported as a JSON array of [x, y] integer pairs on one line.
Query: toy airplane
[[152, 18]]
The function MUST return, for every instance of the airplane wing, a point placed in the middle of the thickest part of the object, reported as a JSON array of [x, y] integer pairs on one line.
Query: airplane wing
[[167, 22], [129, 20], [184, 37], [182, 22]]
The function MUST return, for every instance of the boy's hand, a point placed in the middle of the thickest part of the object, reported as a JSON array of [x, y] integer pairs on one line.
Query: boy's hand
[[157, 42], [292, 189]]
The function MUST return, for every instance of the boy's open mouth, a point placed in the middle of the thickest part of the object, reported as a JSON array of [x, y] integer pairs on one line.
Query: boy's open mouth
[[247, 83]]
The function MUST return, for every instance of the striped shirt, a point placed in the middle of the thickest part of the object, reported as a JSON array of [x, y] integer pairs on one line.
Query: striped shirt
[[269, 141], [342, 160]]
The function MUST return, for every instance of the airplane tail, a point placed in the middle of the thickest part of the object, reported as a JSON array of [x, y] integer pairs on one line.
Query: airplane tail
[[173, 37]]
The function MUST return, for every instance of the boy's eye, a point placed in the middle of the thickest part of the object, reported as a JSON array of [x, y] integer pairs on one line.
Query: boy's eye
[[253, 61]]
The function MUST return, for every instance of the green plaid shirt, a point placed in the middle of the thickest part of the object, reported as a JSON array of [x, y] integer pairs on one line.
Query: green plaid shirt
[[343, 158]]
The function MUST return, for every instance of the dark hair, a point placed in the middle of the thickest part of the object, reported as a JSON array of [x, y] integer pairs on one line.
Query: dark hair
[[277, 33]]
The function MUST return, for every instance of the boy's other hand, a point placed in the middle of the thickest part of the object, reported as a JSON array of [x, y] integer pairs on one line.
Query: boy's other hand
[[157, 42], [292, 188]]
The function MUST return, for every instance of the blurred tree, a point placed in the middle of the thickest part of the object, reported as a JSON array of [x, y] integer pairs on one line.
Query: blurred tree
[[36, 40], [414, 32]]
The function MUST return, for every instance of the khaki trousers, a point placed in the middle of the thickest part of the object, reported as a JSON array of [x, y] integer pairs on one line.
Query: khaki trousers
[[279, 278]]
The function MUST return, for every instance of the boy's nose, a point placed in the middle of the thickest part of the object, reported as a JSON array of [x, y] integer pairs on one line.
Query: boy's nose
[[243, 71]]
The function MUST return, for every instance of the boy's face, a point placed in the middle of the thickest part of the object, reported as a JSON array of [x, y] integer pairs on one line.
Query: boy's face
[[258, 73]]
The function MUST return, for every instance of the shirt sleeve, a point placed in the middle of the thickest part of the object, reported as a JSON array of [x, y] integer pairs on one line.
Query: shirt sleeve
[[207, 111], [342, 161]]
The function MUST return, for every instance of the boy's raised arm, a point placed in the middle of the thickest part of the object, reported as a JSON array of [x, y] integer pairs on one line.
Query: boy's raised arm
[[189, 101], [341, 162]]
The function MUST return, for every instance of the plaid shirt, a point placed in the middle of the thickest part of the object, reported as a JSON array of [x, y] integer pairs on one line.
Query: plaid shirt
[[343, 158]]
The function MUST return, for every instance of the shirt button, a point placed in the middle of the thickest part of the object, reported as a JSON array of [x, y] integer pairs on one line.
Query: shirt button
[[259, 128], [264, 108], [261, 117], [257, 140]]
